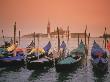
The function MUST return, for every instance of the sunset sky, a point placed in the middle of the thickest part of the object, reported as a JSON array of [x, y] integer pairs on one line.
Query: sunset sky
[[33, 15]]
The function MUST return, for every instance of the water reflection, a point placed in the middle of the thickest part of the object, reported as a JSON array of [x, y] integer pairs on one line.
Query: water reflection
[[7, 72], [2, 70], [11, 68], [99, 75], [67, 75], [37, 73], [63, 76]]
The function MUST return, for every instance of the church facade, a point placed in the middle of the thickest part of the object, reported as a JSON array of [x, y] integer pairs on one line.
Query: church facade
[[62, 33]]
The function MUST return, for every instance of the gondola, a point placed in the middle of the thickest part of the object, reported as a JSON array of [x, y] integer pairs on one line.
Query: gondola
[[36, 53], [11, 56], [99, 58], [72, 59], [41, 58]]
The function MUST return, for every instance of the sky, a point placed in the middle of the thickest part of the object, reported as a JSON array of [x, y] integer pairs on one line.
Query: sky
[[33, 15]]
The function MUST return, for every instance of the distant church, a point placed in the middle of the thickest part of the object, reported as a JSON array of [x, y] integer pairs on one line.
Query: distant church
[[62, 33]]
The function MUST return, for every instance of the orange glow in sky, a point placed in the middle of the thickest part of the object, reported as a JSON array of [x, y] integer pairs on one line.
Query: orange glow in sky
[[33, 15]]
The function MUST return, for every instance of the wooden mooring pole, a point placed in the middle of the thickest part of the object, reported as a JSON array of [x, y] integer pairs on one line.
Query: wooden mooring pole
[[86, 50], [3, 36], [105, 37], [19, 37], [58, 40], [88, 39], [15, 33], [78, 39], [34, 35], [85, 35]]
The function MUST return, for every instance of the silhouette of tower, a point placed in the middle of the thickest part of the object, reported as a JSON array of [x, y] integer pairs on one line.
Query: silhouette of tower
[[48, 28]]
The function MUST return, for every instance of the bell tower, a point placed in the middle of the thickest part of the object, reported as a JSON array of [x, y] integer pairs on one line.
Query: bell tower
[[48, 28]]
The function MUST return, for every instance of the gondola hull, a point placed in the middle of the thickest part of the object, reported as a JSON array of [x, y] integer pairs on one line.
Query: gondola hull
[[67, 66], [100, 66], [99, 57], [39, 64], [12, 61]]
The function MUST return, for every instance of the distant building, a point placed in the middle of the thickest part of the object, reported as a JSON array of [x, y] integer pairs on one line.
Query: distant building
[[75, 35], [37, 34], [62, 33], [105, 36], [48, 28], [44, 35]]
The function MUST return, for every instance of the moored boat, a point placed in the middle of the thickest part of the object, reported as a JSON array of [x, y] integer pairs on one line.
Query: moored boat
[[72, 59], [41, 59], [36, 53], [99, 58], [11, 56]]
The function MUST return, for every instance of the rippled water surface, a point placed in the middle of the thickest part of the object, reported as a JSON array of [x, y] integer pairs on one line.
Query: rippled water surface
[[81, 73]]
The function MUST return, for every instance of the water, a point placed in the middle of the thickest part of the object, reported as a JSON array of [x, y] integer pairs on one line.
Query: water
[[82, 73]]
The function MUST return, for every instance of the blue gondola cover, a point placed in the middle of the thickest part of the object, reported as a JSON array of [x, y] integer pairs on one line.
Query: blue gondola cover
[[47, 47]]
